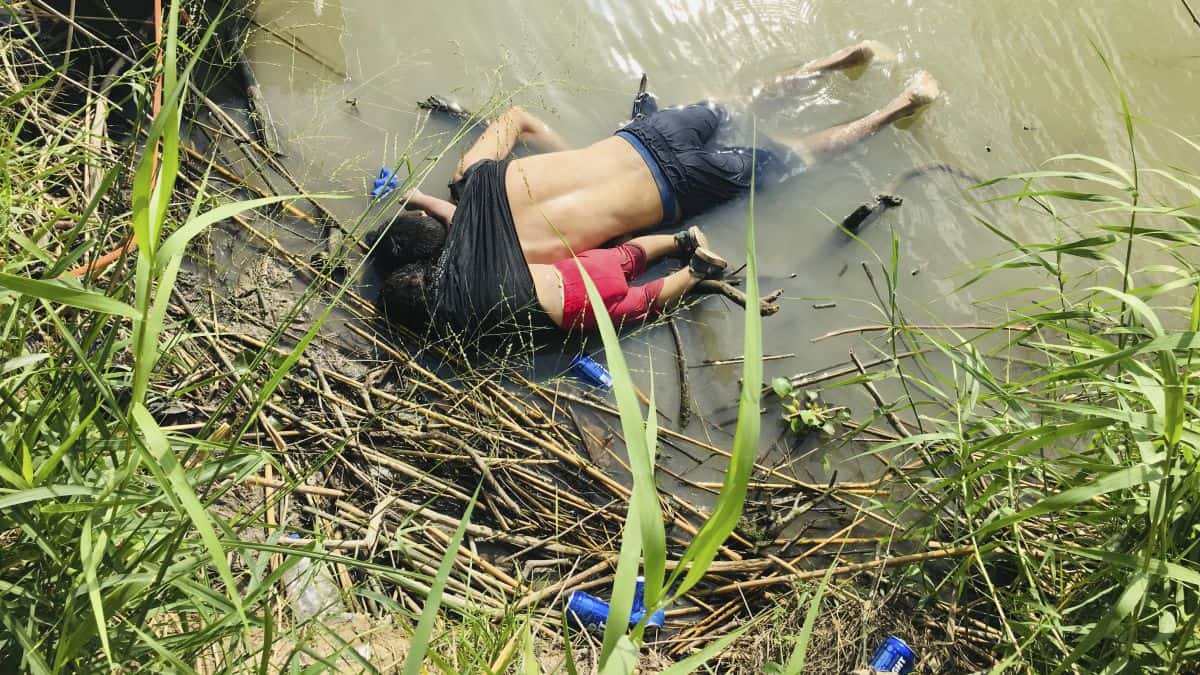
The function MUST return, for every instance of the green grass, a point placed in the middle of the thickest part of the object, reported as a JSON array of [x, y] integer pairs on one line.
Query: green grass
[[643, 541], [1062, 444]]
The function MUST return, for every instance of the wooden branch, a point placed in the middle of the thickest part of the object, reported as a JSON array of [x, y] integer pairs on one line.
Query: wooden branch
[[766, 304], [685, 389], [897, 561], [1192, 14], [892, 417], [1020, 328], [260, 112]]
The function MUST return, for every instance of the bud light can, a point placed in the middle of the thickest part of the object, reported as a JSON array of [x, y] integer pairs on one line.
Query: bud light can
[[587, 611], [591, 613], [893, 656], [591, 372]]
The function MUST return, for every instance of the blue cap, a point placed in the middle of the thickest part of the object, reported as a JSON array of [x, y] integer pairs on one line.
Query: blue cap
[[893, 656]]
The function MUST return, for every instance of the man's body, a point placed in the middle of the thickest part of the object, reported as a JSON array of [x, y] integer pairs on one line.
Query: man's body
[[659, 168], [606, 190]]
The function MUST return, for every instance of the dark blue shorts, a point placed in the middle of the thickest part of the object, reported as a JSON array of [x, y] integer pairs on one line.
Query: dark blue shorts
[[703, 173]]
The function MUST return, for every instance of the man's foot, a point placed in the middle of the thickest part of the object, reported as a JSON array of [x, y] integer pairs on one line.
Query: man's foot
[[854, 56], [877, 51], [687, 241], [922, 90], [707, 265]]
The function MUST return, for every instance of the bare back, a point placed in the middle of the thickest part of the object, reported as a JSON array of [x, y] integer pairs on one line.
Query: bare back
[[587, 196]]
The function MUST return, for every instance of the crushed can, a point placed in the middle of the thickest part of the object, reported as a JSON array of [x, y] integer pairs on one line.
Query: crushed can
[[591, 613], [591, 372], [893, 656], [384, 183], [587, 611]]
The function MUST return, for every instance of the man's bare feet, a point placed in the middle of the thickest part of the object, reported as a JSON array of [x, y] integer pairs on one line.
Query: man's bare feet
[[854, 56], [878, 51], [922, 90]]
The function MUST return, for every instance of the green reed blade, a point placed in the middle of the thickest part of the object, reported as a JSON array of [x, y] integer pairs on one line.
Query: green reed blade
[[419, 645], [65, 294]]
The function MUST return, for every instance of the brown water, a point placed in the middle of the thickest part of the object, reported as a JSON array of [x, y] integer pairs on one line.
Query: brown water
[[1022, 83]]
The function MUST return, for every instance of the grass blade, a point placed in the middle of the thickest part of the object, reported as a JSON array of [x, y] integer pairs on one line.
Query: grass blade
[[795, 664], [160, 451], [419, 645], [64, 294]]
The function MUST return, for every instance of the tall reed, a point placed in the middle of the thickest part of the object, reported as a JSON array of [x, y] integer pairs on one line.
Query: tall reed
[[109, 544], [1062, 444], [643, 542]]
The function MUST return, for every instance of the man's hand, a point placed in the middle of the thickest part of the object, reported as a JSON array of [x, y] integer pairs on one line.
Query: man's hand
[[502, 135]]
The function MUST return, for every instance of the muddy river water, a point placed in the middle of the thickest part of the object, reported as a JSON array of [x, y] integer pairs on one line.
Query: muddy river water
[[1022, 83]]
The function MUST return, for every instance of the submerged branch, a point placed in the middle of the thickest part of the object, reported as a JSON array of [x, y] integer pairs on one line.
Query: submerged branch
[[1020, 328], [1192, 14], [766, 304]]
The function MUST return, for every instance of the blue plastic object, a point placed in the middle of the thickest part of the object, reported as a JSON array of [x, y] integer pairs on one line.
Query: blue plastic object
[[591, 613], [385, 183], [893, 656], [591, 372]]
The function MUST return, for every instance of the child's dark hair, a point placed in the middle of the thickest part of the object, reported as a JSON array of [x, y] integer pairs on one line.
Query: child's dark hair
[[411, 237], [405, 296]]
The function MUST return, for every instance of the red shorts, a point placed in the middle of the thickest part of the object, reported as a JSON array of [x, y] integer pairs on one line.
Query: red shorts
[[611, 270]]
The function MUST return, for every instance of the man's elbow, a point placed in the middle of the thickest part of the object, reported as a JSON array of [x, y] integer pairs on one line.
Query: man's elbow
[[520, 119]]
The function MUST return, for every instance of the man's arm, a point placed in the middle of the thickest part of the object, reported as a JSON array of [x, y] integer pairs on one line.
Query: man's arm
[[438, 208], [501, 136]]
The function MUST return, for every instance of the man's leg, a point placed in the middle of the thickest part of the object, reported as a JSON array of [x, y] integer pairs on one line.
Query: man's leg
[[922, 91], [789, 81]]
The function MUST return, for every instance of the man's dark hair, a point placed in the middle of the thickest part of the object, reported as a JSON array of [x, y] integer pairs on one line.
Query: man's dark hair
[[405, 296], [411, 237]]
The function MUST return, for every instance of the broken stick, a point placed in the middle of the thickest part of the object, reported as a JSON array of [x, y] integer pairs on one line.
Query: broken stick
[[766, 304]]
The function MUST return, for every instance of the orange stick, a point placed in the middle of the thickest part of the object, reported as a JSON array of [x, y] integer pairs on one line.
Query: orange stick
[[112, 256]]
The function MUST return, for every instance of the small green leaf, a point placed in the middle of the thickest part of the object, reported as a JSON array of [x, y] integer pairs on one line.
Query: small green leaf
[[64, 294], [782, 386], [1166, 623]]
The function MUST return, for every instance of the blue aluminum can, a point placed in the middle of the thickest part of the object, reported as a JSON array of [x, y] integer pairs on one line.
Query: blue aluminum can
[[587, 611], [656, 619], [591, 372], [591, 613], [893, 656]]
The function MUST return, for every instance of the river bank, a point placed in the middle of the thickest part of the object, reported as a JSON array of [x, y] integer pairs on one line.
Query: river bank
[[363, 442], [182, 433]]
